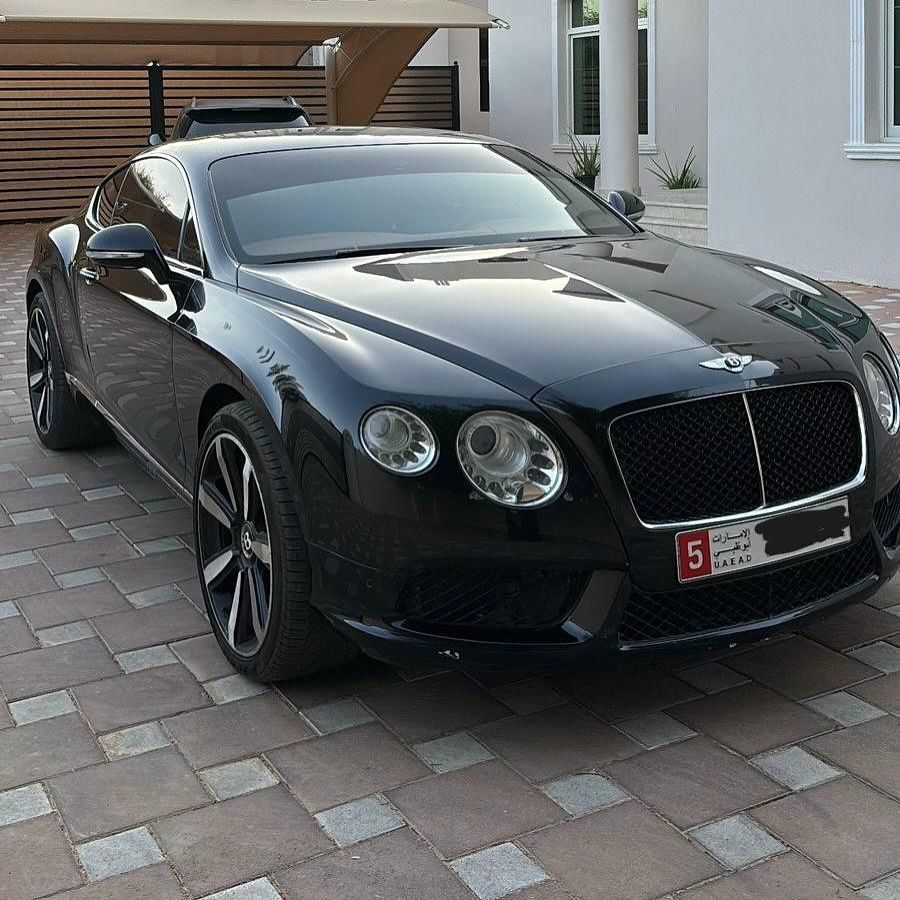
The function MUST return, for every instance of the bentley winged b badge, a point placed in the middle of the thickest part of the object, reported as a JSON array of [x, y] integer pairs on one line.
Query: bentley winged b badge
[[731, 362]]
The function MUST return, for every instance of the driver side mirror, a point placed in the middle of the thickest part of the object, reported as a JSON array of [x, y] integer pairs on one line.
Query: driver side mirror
[[129, 246], [627, 204]]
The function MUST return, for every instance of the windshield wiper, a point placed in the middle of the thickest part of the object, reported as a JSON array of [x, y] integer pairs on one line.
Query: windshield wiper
[[557, 238], [375, 251], [347, 252]]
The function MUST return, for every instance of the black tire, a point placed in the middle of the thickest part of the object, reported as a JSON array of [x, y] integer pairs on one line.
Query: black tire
[[62, 419], [297, 640]]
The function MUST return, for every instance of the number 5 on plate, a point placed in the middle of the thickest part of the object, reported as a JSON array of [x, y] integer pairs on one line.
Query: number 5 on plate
[[694, 557]]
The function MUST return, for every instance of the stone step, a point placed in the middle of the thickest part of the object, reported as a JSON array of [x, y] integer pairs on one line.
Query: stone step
[[692, 213], [686, 232]]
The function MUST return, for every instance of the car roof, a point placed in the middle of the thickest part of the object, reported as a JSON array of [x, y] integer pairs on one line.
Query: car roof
[[201, 152]]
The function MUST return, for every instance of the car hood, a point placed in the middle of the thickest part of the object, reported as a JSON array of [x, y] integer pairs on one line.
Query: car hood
[[529, 316]]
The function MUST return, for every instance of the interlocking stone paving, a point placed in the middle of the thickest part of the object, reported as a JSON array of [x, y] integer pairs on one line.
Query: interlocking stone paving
[[125, 740]]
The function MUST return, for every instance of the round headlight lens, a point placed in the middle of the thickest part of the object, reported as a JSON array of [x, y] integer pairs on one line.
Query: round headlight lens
[[509, 460], [398, 440], [883, 393], [891, 354]]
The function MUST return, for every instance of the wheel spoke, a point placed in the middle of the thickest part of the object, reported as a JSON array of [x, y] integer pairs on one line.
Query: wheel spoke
[[260, 547], [256, 600], [41, 405], [34, 335], [226, 472], [215, 568], [246, 475], [36, 379], [213, 502], [235, 607]]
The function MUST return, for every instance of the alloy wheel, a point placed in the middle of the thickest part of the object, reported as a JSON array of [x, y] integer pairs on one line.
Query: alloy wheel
[[233, 543], [39, 364]]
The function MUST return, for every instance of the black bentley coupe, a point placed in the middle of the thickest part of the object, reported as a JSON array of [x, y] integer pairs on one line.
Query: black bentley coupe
[[431, 397]]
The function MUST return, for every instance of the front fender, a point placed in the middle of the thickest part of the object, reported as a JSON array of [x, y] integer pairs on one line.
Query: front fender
[[53, 268]]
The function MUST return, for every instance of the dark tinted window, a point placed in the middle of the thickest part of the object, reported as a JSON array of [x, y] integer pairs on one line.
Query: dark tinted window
[[190, 243], [106, 201], [154, 194], [296, 204], [227, 121]]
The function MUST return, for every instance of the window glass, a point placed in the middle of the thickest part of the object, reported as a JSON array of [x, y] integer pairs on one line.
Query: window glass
[[106, 200], [586, 84], [643, 83], [585, 12], [301, 204], [200, 122], [190, 243], [584, 66], [154, 194]]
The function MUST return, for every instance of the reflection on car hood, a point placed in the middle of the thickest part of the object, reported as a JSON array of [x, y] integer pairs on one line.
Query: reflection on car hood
[[532, 315]]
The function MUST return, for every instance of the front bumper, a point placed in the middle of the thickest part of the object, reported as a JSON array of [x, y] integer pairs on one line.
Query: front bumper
[[590, 636], [629, 568]]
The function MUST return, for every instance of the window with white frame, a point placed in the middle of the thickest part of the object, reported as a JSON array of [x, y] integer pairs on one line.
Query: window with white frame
[[874, 80], [893, 69], [583, 35]]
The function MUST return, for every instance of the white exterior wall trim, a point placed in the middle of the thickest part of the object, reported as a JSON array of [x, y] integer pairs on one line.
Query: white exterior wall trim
[[859, 146]]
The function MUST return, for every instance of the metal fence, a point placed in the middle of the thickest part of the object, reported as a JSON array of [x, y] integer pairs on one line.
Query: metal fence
[[63, 127]]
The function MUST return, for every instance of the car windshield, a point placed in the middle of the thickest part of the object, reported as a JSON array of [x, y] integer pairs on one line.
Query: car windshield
[[326, 202], [201, 123]]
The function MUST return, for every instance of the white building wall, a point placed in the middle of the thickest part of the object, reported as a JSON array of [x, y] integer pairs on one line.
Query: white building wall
[[681, 84], [524, 60], [781, 186]]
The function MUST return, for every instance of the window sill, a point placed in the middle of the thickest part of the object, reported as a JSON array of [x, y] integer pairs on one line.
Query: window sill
[[645, 148], [879, 150]]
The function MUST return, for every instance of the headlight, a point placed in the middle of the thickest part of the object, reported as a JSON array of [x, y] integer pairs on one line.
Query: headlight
[[509, 460], [398, 440], [883, 393], [891, 354]]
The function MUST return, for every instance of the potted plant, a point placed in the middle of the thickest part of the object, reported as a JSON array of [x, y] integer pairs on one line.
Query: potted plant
[[677, 177], [585, 163]]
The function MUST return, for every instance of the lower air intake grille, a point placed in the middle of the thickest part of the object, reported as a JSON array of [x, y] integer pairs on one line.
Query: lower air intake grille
[[740, 601], [491, 598]]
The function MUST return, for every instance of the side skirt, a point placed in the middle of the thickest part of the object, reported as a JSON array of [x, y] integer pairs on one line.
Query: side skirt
[[155, 469]]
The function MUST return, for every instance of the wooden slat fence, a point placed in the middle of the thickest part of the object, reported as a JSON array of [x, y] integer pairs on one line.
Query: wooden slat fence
[[62, 128]]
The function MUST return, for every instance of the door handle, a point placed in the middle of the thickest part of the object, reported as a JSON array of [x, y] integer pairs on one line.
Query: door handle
[[89, 274]]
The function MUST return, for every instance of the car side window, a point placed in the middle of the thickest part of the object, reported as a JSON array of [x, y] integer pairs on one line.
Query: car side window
[[154, 194], [107, 197], [190, 242]]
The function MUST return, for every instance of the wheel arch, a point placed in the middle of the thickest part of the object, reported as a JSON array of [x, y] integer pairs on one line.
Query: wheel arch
[[32, 290], [217, 397]]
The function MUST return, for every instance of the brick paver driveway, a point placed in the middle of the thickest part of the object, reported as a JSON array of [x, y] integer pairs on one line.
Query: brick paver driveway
[[134, 762]]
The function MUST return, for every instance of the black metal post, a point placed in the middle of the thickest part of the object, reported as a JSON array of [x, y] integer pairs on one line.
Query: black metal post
[[157, 100], [454, 97]]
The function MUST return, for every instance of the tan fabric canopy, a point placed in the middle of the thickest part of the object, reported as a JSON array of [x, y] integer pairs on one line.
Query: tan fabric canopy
[[375, 39]]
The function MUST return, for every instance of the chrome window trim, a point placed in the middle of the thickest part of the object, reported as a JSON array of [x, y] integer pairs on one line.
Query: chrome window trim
[[755, 513], [93, 222]]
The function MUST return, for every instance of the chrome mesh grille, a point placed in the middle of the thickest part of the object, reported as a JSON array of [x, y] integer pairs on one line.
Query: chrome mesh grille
[[697, 459]]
